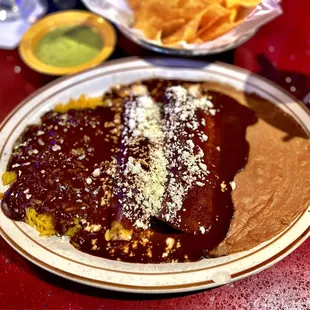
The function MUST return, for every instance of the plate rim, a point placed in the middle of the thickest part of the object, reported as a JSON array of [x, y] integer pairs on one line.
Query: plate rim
[[112, 62], [147, 289]]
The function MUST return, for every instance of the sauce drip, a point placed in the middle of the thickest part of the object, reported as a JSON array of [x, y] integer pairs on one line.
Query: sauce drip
[[57, 163]]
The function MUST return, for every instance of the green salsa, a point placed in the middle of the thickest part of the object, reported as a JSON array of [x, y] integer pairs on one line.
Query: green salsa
[[69, 46]]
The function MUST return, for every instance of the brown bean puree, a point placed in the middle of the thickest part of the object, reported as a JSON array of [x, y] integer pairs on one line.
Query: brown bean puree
[[163, 171]]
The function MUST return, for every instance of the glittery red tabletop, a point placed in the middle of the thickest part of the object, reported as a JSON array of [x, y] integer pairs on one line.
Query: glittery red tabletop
[[280, 51]]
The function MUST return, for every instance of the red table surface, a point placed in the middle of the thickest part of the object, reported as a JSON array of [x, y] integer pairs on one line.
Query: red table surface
[[280, 51]]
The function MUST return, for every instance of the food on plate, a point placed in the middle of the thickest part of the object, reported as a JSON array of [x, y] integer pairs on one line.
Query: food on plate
[[161, 171], [195, 21]]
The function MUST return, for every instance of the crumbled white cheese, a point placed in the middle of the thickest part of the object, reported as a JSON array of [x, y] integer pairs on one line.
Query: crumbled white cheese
[[40, 142], [194, 90], [174, 162], [209, 104], [139, 90], [204, 138], [96, 173], [56, 148], [81, 157], [181, 121], [143, 121], [190, 143], [33, 151], [212, 111], [232, 185], [202, 230]]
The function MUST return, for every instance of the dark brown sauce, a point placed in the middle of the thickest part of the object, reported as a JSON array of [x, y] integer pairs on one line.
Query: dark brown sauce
[[57, 180]]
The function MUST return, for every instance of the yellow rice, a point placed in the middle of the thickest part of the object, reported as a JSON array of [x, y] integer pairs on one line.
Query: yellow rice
[[8, 177], [43, 223], [82, 102], [73, 229]]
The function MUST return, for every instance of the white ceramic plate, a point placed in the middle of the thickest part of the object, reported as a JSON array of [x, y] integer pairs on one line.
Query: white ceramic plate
[[61, 258]]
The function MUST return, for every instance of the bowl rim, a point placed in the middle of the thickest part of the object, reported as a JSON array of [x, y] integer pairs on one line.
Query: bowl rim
[[182, 51]]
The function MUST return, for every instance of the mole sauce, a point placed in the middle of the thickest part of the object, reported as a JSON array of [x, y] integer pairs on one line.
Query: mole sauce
[[57, 161]]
